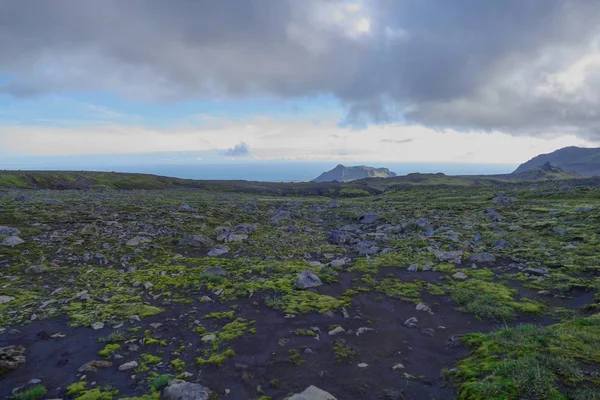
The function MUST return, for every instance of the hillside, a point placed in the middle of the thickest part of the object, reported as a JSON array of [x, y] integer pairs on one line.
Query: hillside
[[583, 161], [342, 173]]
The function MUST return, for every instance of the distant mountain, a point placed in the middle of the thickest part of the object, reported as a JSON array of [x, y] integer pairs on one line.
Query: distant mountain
[[342, 173], [583, 161]]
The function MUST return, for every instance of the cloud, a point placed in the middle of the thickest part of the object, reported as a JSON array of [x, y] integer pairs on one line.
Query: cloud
[[396, 141], [239, 150], [277, 139], [523, 67]]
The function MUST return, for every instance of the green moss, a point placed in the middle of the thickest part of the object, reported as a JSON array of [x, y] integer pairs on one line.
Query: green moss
[[160, 382], [76, 388], [294, 357], [220, 315], [109, 350], [215, 359], [490, 300], [531, 361], [342, 352], [305, 332], [149, 340], [178, 365], [32, 393], [98, 394]]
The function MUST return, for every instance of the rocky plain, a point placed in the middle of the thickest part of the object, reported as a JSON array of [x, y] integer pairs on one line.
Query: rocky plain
[[418, 292]]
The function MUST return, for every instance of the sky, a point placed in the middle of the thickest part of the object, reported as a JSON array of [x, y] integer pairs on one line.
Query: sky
[[416, 81]]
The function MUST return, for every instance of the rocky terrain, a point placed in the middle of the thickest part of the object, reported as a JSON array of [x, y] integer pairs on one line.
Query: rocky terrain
[[342, 173], [428, 288]]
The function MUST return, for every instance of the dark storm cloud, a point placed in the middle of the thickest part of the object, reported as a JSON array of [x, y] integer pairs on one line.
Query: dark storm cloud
[[463, 64]]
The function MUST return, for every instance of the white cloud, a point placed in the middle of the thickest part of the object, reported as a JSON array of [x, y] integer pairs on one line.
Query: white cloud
[[272, 139]]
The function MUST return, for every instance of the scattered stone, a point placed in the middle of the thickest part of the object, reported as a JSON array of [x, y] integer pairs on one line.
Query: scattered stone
[[12, 241], [411, 322], [482, 258], [93, 366], [454, 257], [362, 365], [336, 331], [460, 275], [196, 241], [423, 307], [6, 299], [560, 231], [182, 390], [97, 325], [8, 231], [362, 330], [90, 230], [137, 240], [398, 366], [11, 358], [281, 215], [313, 393], [218, 250], [428, 331], [369, 218], [340, 262], [208, 338], [128, 366], [307, 279], [413, 268]]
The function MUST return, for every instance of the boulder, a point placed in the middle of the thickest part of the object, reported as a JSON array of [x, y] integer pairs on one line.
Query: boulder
[[454, 257], [182, 390], [338, 236], [137, 240], [218, 250], [196, 241], [6, 299], [307, 279], [12, 241], [313, 393], [36, 269], [460, 275], [8, 231], [482, 258], [369, 218], [281, 215], [11, 358], [92, 366], [128, 366]]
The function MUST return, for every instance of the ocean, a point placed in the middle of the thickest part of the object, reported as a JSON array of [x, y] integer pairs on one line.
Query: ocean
[[278, 171]]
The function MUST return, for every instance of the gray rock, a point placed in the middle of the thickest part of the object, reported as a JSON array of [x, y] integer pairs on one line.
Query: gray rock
[[313, 393], [97, 325], [128, 365], [340, 262], [196, 241], [218, 250], [307, 279], [454, 257], [6, 299], [137, 240], [12, 241], [281, 215], [500, 244], [336, 331], [460, 275], [423, 307], [492, 215], [560, 231], [11, 358], [366, 247], [187, 208], [8, 231], [369, 218], [182, 390], [537, 271], [413, 268], [482, 258], [338, 236], [411, 322]]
